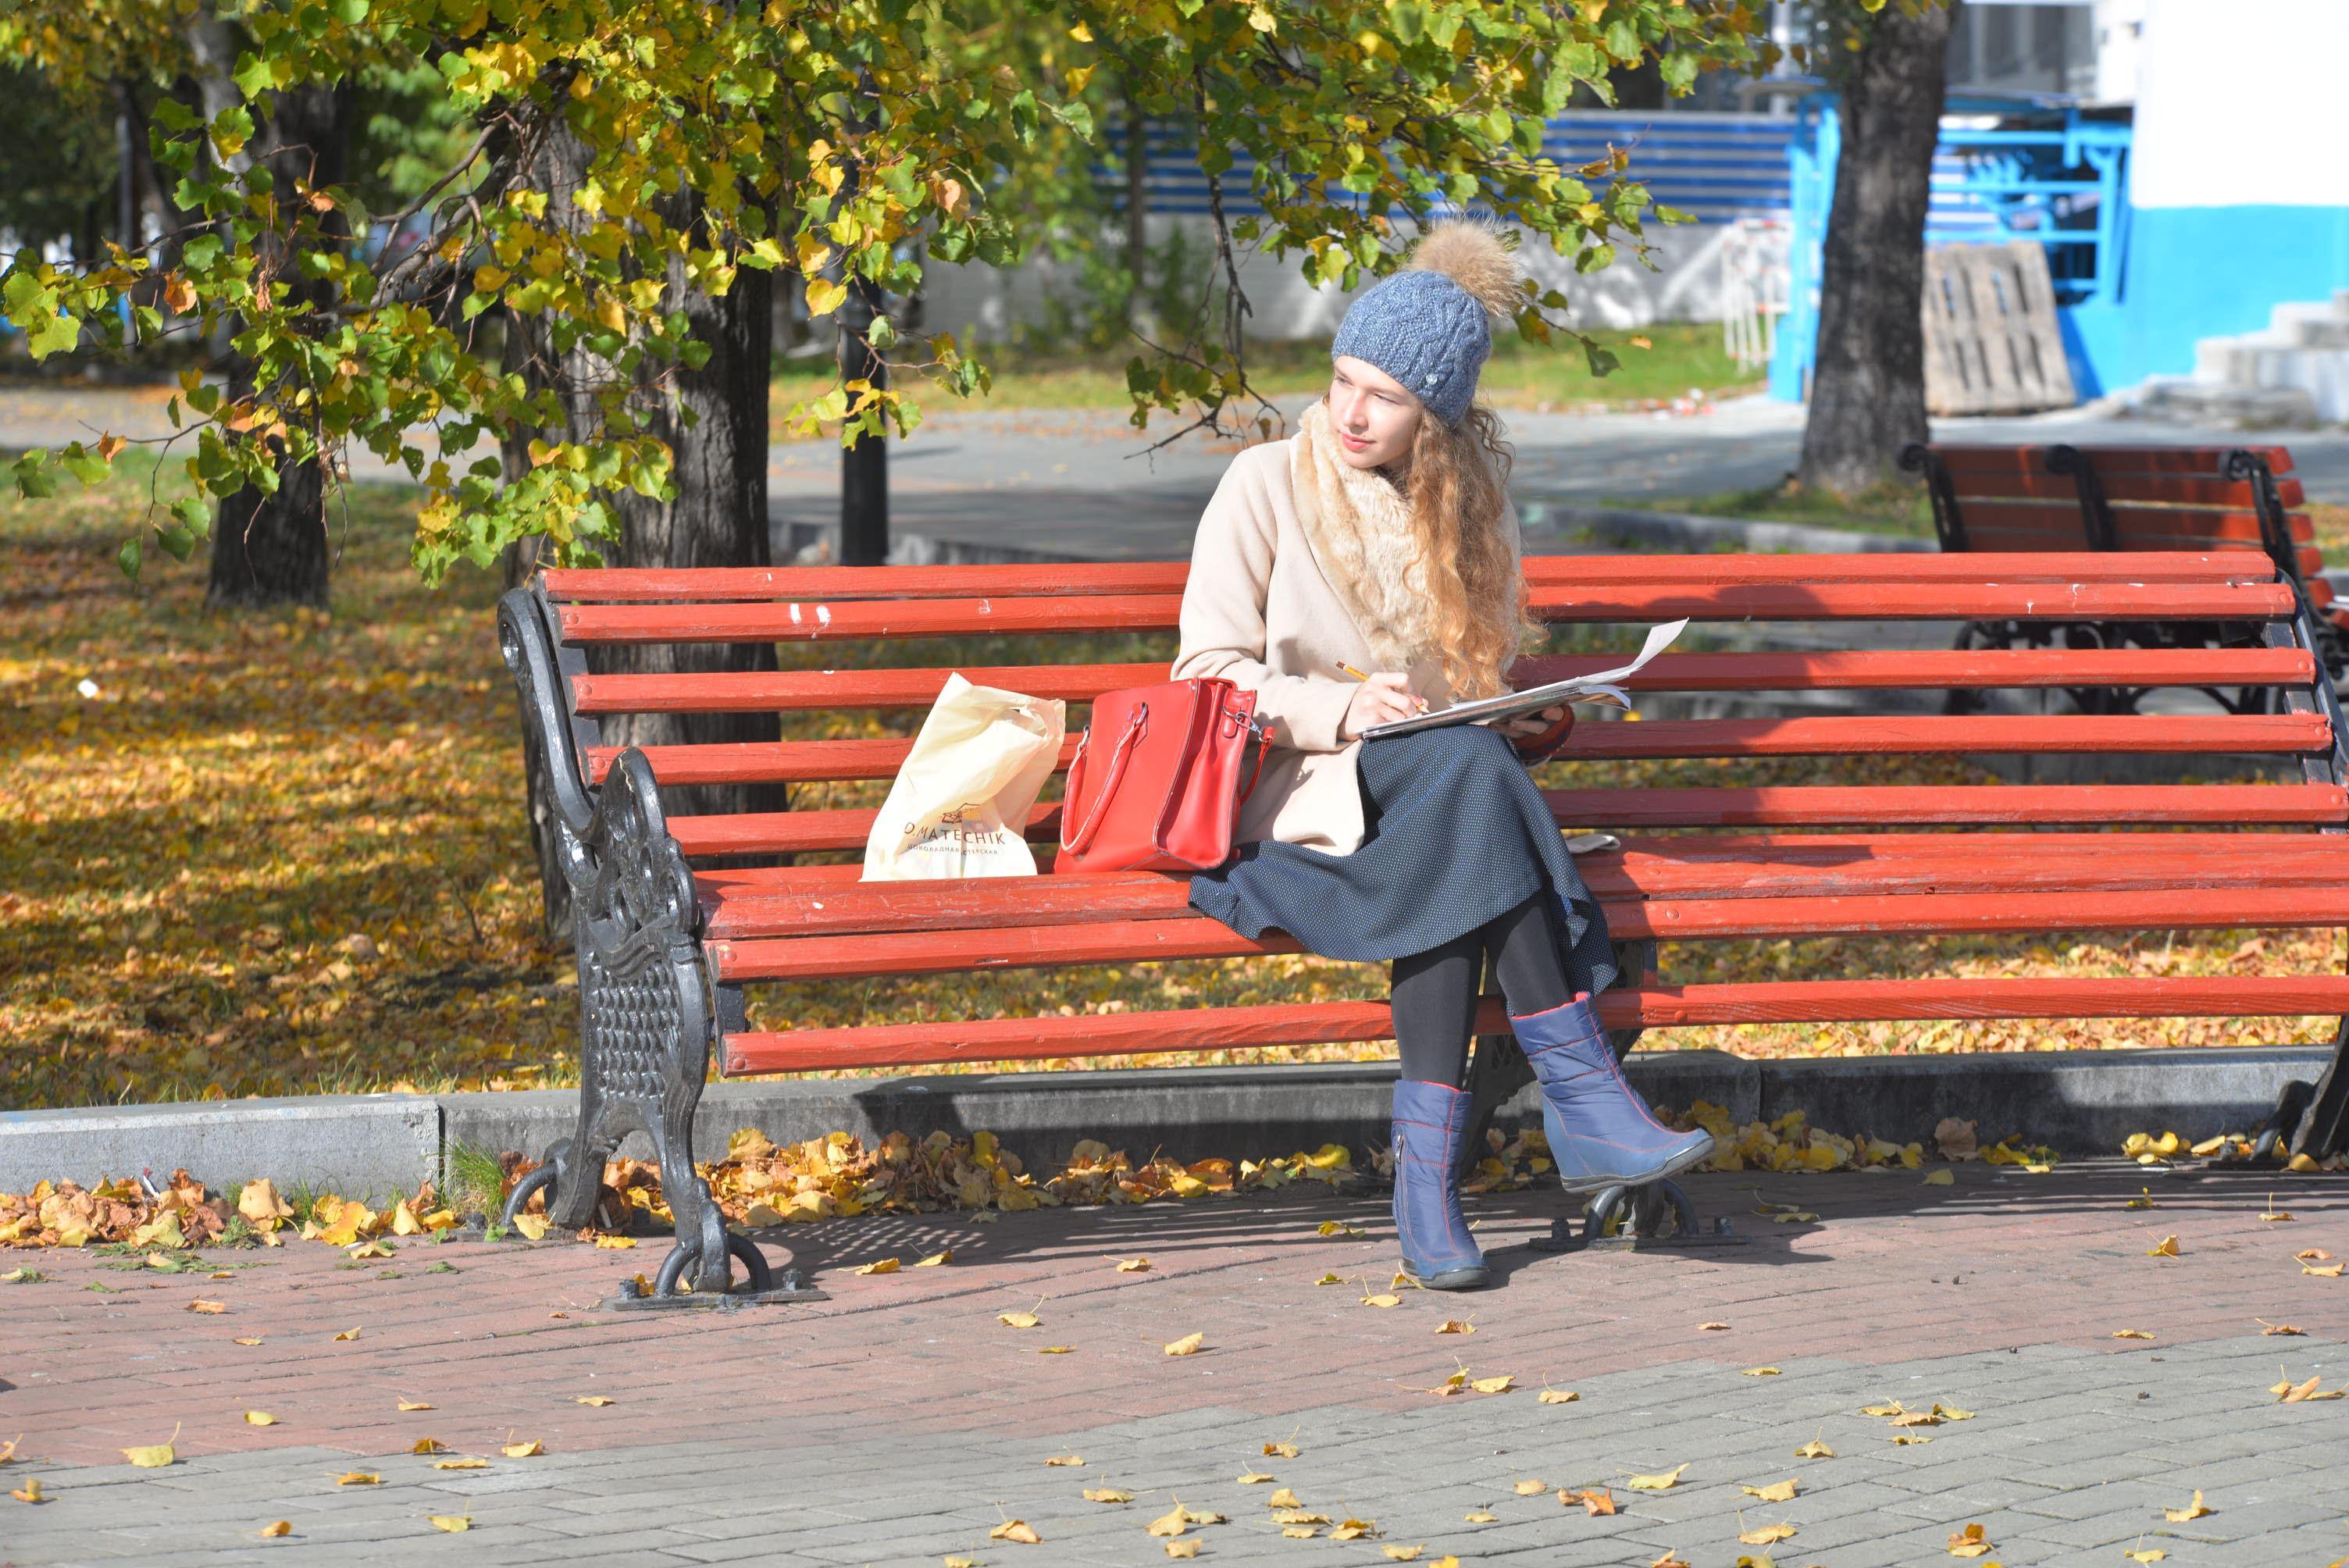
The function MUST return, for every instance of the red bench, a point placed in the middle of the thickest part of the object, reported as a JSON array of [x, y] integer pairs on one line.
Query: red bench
[[2134, 498], [666, 950]]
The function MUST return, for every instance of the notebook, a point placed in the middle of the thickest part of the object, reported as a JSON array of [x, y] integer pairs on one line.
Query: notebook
[[1596, 687]]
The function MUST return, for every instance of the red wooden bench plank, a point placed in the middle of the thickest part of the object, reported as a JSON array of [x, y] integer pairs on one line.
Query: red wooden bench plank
[[1763, 806], [1059, 580], [2170, 488], [811, 900], [952, 951], [747, 691], [2249, 599], [1653, 1006], [2189, 460], [810, 761]]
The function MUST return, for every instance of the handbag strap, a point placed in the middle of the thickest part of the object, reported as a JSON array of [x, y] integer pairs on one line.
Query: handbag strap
[[1117, 762], [1263, 744]]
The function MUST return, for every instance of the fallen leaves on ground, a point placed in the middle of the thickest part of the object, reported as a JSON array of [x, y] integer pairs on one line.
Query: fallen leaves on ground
[[2131, 1334], [598, 1400], [1064, 1460], [1134, 1265], [1759, 1372], [1189, 1547], [1107, 1495], [2191, 1510], [1664, 1481], [1557, 1396], [2165, 1248], [410, 1404], [1530, 1488], [30, 1492], [1971, 1541], [279, 1527], [529, 1447], [1015, 1530], [259, 1418], [1283, 1450], [1455, 1325], [453, 1522], [879, 1266], [1189, 1344], [2267, 1328], [1593, 1500], [359, 1478], [461, 1462], [1766, 1535], [1776, 1491], [154, 1456]]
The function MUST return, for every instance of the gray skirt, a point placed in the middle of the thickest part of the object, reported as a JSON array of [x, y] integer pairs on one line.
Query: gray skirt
[[1455, 834]]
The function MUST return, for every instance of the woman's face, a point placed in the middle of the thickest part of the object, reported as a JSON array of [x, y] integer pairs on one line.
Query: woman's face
[[1375, 417]]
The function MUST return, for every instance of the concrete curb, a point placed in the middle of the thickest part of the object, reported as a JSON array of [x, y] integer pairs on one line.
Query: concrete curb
[[2081, 1102]]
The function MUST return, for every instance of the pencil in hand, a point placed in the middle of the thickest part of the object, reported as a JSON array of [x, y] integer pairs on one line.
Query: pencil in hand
[[1419, 703]]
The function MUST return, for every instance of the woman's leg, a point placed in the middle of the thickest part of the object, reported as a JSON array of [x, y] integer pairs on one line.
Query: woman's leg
[[1524, 943], [1434, 998]]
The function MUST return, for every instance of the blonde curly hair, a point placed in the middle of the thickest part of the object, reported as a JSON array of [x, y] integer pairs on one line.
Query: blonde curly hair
[[1457, 486]]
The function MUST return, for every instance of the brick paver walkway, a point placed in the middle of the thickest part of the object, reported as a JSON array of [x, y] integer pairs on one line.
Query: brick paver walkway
[[901, 1420]]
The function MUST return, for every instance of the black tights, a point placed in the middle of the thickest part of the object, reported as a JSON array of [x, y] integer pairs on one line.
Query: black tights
[[1434, 991]]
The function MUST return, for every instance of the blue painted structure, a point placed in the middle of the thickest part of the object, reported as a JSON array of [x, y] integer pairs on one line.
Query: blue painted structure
[[2005, 170], [1713, 167]]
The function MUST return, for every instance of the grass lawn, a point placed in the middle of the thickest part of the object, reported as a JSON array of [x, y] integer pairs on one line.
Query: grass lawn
[[1520, 375], [187, 856]]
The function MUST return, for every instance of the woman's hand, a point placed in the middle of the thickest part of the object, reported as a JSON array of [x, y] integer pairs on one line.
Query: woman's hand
[[1537, 735], [1381, 699]]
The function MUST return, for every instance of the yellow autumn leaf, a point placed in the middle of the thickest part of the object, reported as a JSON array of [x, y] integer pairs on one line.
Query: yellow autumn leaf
[[413, 1404], [2166, 1248], [824, 296], [1281, 1450], [1937, 1179], [1905, 1439], [1064, 1460], [598, 1400], [1951, 1413], [1107, 1495], [1776, 1491], [154, 1456], [1455, 1325], [1134, 1265], [451, 1522], [2266, 1328], [1298, 1531], [2131, 1334], [1182, 1548], [254, 1341], [348, 1333], [1557, 1396], [1480, 1517], [30, 1492], [936, 1259], [210, 1307], [1284, 1497], [1328, 1279], [1710, 1327], [532, 1226], [279, 1527], [1532, 1488], [2191, 1510], [1054, 1349], [1815, 1449], [1971, 1541], [1017, 1319], [428, 1445], [1188, 1345], [2151, 1554], [1759, 1372], [462, 1461], [1254, 1478], [1381, 1300], [529, 1449], [359, 1478], [1404, 1553], [2322, 1271], [1768, 1534], [1337, 1228], [1172, 1522], [1353, 1529], [879, 1267], [1662, 1482], [1015, 1530], [259, 1418], [1500, 1384], [1917, 1418]]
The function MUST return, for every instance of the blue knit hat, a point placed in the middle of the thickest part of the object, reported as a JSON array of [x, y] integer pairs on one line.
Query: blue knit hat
[[1427, 325]]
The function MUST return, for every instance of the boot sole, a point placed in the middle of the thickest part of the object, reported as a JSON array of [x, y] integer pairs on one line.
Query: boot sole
[[1669, 1168], [1451, 1279]]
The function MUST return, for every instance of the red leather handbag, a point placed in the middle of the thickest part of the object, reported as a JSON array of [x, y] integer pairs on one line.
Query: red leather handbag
[[1163, 798]]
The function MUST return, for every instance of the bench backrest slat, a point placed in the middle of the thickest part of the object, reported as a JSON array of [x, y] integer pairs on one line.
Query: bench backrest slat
[[754, 691]]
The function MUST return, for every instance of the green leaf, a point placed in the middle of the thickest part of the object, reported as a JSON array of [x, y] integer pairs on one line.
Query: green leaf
[[127, 558], [1409, 20], [350, 13], [1622, 40], [199, 254]]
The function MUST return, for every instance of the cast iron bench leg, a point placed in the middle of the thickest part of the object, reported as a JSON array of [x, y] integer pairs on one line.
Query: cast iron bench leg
[[644, 1013]]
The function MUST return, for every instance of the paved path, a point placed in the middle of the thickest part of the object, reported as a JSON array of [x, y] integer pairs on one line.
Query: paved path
[[901, 1420], [1083, 483]]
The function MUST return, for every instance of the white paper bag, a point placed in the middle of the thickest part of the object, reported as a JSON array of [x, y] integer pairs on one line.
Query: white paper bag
[[959, 805]]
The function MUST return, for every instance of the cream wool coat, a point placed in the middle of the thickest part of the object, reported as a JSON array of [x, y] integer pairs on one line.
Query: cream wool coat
[[1260, 611]]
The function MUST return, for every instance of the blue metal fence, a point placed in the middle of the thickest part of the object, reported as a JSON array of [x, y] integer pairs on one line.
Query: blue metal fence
[[2049, 176]]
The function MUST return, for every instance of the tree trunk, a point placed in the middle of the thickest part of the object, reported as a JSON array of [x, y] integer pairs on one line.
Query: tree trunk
[[1868, 384], [270, 547], [718, 519]]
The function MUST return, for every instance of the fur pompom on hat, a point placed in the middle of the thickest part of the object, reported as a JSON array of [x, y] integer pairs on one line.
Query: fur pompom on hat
[[1429, 325]]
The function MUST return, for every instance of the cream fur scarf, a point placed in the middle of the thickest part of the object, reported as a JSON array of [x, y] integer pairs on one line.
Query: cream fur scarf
[[1359, 524]]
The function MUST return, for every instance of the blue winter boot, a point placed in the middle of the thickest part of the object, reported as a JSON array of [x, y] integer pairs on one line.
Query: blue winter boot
[[1430, 1129], [1600, 1131]]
